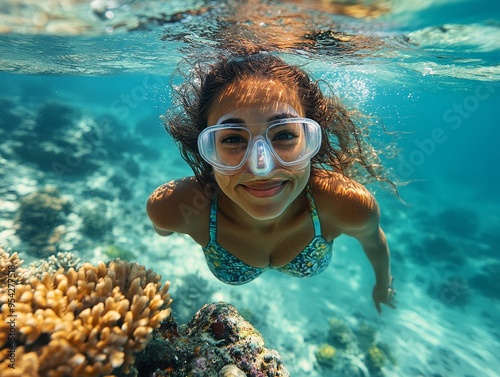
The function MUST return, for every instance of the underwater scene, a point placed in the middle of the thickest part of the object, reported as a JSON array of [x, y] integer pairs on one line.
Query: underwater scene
[[88, 288]]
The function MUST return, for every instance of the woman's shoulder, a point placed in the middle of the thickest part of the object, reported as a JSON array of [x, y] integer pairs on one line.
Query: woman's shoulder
[[343, 202], [179, 205]]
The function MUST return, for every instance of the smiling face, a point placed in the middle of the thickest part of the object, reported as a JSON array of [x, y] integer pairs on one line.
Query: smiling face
[[254, 103]]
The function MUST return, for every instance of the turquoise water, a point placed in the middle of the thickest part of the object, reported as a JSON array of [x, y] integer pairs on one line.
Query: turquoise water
[[429, 70]]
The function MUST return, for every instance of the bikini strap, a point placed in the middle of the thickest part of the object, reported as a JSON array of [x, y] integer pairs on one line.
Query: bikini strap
[[314, 212], [213, 219]]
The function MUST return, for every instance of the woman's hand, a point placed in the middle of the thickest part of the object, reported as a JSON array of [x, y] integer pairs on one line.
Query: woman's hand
[[385, 294]]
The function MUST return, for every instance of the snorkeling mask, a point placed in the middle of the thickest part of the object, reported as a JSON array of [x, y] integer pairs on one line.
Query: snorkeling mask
[[290, 142]]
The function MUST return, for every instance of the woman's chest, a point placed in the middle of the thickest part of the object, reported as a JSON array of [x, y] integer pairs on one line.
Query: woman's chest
[[266, 247]]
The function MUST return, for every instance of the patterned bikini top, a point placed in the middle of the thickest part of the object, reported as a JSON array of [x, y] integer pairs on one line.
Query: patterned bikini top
[[313, 260]]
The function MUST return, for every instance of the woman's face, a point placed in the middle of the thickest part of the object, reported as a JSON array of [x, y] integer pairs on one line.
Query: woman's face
[[254, 103]]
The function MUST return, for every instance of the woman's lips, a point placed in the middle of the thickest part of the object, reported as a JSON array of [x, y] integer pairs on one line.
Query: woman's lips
[[264, 189]]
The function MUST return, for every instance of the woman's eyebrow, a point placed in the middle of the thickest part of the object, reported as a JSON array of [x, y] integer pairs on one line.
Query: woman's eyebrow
[[282, 116], [270, 119], [232, 120]]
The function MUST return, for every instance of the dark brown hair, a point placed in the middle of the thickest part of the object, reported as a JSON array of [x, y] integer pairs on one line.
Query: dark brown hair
[[345, 145]]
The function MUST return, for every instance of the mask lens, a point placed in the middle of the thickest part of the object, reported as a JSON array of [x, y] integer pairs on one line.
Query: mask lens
[[224, 146], [294, 140]]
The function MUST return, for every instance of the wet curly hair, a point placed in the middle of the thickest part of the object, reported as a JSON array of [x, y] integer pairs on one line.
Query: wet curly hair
[[345, 147]]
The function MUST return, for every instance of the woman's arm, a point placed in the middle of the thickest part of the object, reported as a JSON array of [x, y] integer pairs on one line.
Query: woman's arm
[[355, 212], [376, 249], [372, 238], [176, 207]]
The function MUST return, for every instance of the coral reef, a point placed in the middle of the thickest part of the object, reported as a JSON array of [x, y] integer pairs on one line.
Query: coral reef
[[376, 354], [339, 333], [325, 355], [386, 350], [61, 261], [217, 337], [95, 222], [64, 260], [9, 263], [41, 214], [60, 320], [65, 140], [86, 322], [55, 140], [114, 320], [353, 352], [375, 359], [366, 336], [59, 140]]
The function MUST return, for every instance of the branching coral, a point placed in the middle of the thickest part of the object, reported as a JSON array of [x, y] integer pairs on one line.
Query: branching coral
[[94, 321], [85, 322], [62, 260], [9, 263]]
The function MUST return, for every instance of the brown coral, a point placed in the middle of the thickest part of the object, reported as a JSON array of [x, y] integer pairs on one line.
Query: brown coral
[[85, 322], [9, 265], [217, 341]]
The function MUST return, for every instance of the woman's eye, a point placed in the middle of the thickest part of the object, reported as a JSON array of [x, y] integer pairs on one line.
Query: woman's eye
[[284, 135], [233, 139]]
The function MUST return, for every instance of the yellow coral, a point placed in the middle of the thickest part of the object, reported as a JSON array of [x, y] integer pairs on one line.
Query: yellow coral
[[85, 322], [325, 355], [375, 359], [9, 266]]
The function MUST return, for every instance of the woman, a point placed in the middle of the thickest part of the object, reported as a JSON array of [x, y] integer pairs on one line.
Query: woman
[[272, 158]]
